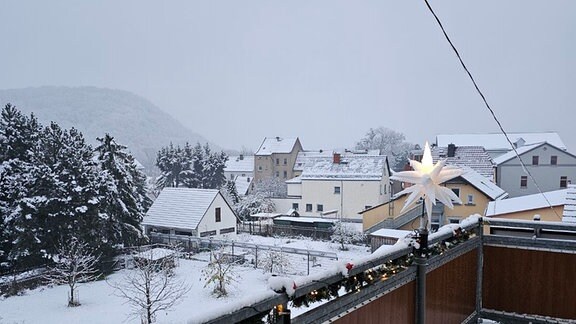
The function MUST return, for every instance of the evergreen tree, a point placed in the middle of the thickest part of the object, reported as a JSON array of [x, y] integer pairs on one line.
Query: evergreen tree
[[196, 167], [18, 146], [125, 200]]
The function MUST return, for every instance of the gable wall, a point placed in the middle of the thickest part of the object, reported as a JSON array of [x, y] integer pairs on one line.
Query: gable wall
[[228, 219]]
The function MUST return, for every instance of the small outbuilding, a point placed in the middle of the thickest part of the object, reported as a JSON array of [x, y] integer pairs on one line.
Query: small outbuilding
[[191, 212]]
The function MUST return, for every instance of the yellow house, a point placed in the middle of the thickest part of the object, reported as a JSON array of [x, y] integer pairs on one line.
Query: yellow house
[[475, 191], [549, 206]]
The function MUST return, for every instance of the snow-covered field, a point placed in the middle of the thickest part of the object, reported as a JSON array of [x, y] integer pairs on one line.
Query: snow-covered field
[[101, 305]]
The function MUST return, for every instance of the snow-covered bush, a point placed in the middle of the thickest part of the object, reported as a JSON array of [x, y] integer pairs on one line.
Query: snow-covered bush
[[274, 262], [345, 234]]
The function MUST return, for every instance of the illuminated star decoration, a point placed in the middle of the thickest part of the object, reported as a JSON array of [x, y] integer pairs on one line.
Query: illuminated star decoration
[[427, 179]]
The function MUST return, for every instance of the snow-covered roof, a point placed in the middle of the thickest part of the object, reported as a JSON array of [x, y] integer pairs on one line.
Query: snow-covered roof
[[497, 141], [266, 215], [243, 184], [307, 157], [388, 232], [522, 150], [272, 145], [524, 203], [297, 179], [306, 219], [473, 157], [353, 167], [240, 164], [484, 184], [180, 207], [155, 254]]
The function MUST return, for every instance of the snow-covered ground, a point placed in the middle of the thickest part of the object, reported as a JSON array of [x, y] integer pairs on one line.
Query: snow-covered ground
[[101, 305]]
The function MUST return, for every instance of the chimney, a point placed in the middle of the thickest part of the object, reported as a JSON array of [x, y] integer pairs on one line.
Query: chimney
[[278, 138], [241, 157], [336, 159], [451, 150]]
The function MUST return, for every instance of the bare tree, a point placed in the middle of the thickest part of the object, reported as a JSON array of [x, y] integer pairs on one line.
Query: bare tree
[[345, 234], [389, 142], [275, 262], [75, 263], [219, 272], [152, 285]]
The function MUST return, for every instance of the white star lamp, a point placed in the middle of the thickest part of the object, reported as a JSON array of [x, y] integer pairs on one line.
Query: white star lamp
[[427, 179]]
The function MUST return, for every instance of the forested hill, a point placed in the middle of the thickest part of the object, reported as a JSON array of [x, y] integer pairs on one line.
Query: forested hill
[[131, 119]]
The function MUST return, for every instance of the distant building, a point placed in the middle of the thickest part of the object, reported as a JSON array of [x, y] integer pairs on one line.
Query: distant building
[[275, 158], [473, 157], [557, 205], [338, 186], [240, 169], [552, 167], [496, 143], [191, 212], [475, 191]]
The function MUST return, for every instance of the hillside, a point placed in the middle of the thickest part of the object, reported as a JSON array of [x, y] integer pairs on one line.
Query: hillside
[[131, 119]]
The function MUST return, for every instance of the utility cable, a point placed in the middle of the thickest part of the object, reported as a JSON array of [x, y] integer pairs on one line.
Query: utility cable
[[488, 107]]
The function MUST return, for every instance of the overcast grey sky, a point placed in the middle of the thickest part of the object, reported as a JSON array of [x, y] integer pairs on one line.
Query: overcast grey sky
[[326, 71]]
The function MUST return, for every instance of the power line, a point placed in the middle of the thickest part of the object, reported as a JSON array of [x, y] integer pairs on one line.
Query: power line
[[488, 106]]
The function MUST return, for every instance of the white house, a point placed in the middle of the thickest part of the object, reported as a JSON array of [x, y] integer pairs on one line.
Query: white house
[[552, 167], [240, 169], [338, 186], [192, 212]]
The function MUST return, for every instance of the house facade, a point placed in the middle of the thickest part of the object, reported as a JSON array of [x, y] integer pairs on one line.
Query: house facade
[[191, 212], [338, 187], [552, 167], [474, 190], [275, 158]]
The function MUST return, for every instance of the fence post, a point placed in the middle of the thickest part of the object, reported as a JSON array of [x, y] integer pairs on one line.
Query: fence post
[[421, 262], [256, 258], [308, 262]]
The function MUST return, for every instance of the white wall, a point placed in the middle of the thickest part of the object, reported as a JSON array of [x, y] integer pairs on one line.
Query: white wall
[[228, 219]]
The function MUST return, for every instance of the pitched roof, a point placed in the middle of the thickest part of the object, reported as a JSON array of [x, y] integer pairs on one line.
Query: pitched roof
[[473, 157], [243, 184], [305, 157], [180, 207], [522, 150], [272, 145], [484, 184], [353, 167], [497, 141], [524, 203], [240, 164]]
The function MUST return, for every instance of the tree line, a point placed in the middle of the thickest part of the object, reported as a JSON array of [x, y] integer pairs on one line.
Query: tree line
[[54, 187]]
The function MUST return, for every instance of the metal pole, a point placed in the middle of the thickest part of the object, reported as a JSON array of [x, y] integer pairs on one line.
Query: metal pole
[[420, 260], [479, 269]]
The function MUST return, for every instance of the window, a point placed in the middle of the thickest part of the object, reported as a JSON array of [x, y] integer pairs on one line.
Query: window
[[308, 207], [259, 168], [337, 190], [295, 206], [277, 174], [456, 191], [535, 160], [277, 161], [285, 174], [231, 177], [218, 215], [183, 233], [319, 208], [228, 230], [208, 233], [470, 200], [454, 220], [553, 160], [563, 181], [285, 161], [523, 181]]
